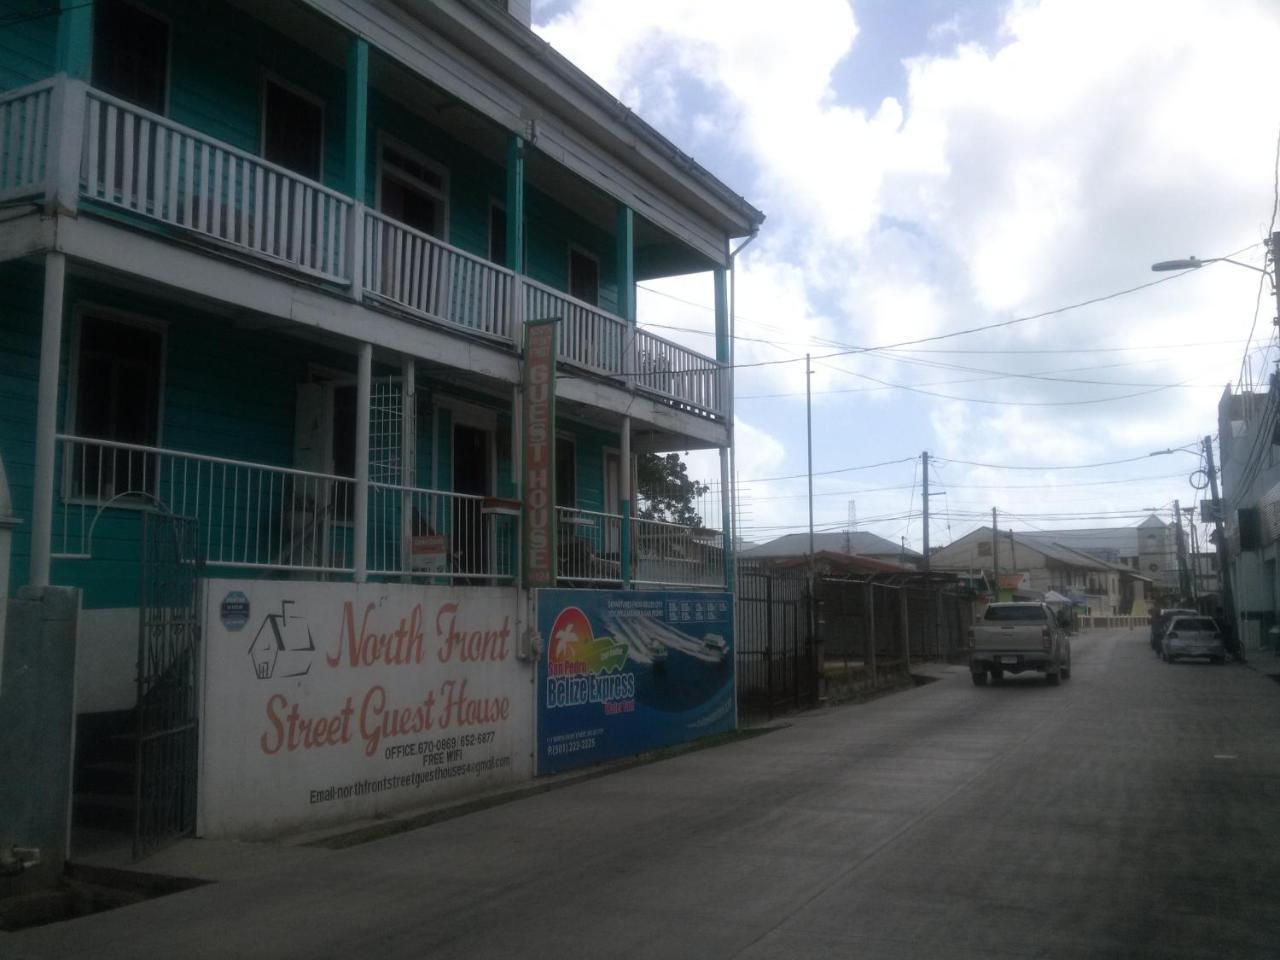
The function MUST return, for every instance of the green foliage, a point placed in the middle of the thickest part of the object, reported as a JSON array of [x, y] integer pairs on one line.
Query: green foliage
[[666, 492]]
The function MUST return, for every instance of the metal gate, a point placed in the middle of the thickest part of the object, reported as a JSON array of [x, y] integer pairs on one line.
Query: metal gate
[[168, 659], [777, 667]]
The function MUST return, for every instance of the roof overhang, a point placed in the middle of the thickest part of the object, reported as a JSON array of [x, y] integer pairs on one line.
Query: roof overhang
[[489, 60]]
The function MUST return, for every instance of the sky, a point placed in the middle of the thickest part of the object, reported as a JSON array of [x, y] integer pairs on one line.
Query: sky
[[929, 167]]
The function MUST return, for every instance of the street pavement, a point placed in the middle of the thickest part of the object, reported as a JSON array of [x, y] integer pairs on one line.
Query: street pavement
[[1133, 811]]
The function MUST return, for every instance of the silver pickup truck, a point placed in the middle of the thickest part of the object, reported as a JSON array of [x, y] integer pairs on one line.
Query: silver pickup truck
[[1013, 637]]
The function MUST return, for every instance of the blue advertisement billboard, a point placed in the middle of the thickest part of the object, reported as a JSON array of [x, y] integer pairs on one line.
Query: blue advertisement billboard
[[625, 671]]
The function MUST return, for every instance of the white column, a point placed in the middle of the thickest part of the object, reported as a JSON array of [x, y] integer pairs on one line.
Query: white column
[[356, 251], [624, 495], [624, 470], [66, 145], [517, 440], [55, 275], [364, 390], [408, 459], [726, 518]]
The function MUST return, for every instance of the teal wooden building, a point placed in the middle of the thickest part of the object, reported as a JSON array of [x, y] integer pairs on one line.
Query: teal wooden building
[[265, 268]]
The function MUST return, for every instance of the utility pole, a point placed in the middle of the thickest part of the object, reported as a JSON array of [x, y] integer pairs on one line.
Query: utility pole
[[808, 420], [1013, 553], [1180, 544], [1224, 575], [1196, 578], [995, 552], [924, 506]]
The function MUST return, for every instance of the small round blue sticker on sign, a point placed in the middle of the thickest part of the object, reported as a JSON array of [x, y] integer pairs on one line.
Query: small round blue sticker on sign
[[235, 611]]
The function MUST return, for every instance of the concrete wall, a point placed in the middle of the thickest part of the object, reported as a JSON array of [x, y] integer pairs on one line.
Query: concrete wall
[[37, 729], [328, 702]]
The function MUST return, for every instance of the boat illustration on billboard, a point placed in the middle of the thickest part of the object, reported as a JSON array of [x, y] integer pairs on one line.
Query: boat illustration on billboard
[[716, 645]]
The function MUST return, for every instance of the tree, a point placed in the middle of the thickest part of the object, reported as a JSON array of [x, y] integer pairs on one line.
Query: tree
[[666, 492]]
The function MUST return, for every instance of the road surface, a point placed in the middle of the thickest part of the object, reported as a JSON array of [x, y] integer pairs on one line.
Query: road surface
[[1133, 811]]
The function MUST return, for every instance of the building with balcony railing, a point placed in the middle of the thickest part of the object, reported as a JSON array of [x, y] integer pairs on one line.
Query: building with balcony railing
[[267, 272]]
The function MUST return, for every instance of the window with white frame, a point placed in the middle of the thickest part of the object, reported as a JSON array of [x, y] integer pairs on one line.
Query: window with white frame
[[117, 391], [584, 276], [292, 128], [412, 188], [131, 53], [566, 472], [498, 236]]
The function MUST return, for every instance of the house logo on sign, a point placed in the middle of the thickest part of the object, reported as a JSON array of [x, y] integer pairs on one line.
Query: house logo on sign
[[283, 645]]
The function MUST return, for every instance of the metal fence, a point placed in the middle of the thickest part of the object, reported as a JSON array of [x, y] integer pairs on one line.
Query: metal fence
[[870, 624], [777, 666]]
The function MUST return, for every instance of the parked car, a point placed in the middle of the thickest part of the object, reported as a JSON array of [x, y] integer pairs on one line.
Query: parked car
[[1160, 624], [1014, 637], [1193, 637]]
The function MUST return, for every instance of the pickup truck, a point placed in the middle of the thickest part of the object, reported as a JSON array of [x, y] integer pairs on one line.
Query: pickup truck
[[1014, 637]]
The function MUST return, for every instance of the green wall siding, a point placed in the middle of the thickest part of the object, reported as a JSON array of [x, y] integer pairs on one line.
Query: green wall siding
[[23, 286], [219, 57], [552, 228], [28, 42], [475, 183], [589, 446], [227, 392]]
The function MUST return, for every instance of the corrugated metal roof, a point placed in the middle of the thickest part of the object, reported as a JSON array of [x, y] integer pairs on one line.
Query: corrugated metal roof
[[849, 542]]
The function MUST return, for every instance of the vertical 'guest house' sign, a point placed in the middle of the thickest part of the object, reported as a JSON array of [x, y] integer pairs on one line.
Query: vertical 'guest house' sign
[[539, 453]]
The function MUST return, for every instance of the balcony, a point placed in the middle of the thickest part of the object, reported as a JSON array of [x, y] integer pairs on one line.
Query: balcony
[[263, 519], [254, 516], [662, 553], [60, 137]]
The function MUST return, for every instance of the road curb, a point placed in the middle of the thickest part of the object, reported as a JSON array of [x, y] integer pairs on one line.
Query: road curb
[[340, 838]]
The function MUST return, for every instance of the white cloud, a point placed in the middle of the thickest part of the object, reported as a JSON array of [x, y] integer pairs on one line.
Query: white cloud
[[1097, 138]]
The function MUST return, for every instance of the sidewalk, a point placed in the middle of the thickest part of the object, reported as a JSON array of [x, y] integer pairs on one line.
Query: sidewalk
[[221, 860]]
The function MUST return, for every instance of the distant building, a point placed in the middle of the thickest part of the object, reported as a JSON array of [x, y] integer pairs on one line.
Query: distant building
[[1250, 486], [1031, 567], [848, 542], [1150, 548]]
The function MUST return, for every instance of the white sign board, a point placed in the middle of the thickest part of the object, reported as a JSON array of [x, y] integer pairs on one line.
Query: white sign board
[[326, 702]]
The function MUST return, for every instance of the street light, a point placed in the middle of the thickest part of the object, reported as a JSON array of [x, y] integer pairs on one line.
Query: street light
[[1193, 263], [1206, 451]]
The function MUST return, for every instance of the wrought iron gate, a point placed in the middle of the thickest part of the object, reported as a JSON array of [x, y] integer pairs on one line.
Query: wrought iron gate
[[168, 660], [777, 668]]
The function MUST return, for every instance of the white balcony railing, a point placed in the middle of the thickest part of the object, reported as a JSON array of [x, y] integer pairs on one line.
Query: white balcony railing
[[151, 166], [440, 535], [156, 170], [598, 341], [662, 553], [678, 373], [671, 554], [589, 546], [256, 516], [25, 118], [426, 276], [588, 337], [249, 515]]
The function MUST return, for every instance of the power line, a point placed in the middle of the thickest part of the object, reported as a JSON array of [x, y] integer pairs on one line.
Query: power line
[[976, 486], [1275, 208], [826, 473], [998, 325], [1005, 403], [1041, 375], [1076, 466]]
